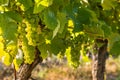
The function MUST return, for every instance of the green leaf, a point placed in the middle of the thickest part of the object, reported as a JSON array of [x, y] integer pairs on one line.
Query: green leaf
[[44, 50], [108, 4], [9, 28], [50, 19], [3, 20], [56, 29], [107, 30], [115, 49], [9, 31], [40, 5], [114, 37], [14, 15], [26, 3], [84, 17], [38, 8], [77, 26], [93, 31], [62, 18], [57, 45]]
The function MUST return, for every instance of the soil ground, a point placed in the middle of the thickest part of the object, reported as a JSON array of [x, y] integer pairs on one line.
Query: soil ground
[[59, 70]]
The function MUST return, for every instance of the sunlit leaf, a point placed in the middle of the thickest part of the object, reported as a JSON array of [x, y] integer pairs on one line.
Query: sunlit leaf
[[7, 59], [56, 29], [46, 3]]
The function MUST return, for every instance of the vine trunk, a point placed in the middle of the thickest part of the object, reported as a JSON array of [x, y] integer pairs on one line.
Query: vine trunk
[[99, 61], [25, 70]]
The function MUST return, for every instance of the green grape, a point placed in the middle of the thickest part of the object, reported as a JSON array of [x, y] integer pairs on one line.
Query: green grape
[[2, 52], [33, 31], [73, 57], [28, 51]]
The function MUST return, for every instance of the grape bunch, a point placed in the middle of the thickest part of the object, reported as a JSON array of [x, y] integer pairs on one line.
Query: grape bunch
[[33, 30]]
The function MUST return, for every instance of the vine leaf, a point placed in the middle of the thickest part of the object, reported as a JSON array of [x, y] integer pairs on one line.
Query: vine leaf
[[115, 49], [41, 5], [57, 45], [107, 30], [14, 15], [93, 31], [63, 20], [38, 8], [50, 19], [10, 34], [26, 3], [84, 17], [43, 48], [113, 39], [56, 29], [108, 4]]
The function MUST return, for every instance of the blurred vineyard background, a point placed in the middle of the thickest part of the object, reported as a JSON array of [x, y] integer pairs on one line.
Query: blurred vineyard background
[[58, 69]]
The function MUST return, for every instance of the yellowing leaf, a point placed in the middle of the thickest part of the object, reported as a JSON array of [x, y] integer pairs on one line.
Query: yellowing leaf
[[7, 59]]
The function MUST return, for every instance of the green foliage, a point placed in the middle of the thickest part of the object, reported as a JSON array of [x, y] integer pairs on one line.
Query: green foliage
[[57, 45], [28, 51], [26, 4], [59, 27], [14, 15], [50, 19], [108, 4], [115, 48], [73, 60], [44, 48]]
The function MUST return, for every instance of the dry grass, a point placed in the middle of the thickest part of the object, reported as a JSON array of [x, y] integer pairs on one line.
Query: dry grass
[[65, 72], [51, 71]]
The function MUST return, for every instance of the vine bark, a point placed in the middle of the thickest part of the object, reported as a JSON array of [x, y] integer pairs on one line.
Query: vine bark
[[25, 70], [99, 60]]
